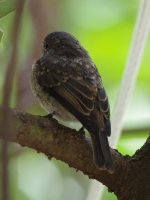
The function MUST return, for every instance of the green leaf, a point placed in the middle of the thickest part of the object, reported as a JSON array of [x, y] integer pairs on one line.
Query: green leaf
[[1, 34], [7, 6]]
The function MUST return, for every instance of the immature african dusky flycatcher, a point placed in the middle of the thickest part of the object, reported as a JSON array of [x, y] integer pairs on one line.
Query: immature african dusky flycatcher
[[67, 83]]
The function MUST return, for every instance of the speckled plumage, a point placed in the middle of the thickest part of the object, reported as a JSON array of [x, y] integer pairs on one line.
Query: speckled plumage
[[66, 82]]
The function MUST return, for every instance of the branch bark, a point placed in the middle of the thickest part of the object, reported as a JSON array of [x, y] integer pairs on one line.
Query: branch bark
[[131, 179]]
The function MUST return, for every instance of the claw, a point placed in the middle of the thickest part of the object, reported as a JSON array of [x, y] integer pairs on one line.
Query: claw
[[50, 115], [81, 131]]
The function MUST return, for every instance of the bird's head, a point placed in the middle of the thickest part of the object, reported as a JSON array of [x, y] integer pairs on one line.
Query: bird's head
[[62, 43]]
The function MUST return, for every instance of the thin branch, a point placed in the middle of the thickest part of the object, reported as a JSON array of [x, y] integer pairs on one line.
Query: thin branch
[[43, 18], [7, 88], [138, 44]]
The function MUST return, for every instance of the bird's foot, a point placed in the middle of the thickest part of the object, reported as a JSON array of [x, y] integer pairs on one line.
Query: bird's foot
[[50, 115], [81, 131]]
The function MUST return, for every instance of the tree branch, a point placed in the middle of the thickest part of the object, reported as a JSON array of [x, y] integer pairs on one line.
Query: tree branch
[[55, 140]]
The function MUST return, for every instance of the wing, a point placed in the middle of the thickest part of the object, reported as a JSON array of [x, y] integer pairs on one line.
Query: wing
[[70, 85], [104, 109]]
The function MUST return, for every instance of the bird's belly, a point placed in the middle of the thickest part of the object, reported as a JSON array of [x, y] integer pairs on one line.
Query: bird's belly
[[49, 103], [53, 106]]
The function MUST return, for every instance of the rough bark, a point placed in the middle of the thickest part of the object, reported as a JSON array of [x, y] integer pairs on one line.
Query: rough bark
[[131, 179]]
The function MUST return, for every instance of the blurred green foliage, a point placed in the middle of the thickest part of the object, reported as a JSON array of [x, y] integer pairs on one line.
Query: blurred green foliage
[[105, 30], [7, 6], [1, 34]]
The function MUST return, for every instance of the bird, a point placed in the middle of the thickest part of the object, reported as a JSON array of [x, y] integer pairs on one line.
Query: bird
[[68, 85]]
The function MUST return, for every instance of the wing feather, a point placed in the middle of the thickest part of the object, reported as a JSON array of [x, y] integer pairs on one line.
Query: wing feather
[[72, 97], [78, 90]]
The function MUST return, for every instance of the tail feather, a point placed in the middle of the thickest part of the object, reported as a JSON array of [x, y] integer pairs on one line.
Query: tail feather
[[101, 151], [105, 150], [97, 152]]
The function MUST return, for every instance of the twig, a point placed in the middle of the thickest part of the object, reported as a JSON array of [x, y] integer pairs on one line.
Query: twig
[[5, 123], [131, 71], [43, 18]]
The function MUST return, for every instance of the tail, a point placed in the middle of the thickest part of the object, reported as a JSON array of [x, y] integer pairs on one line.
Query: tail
[[101, 151]]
